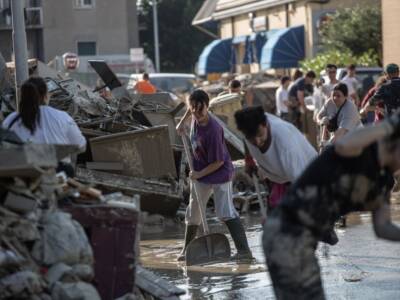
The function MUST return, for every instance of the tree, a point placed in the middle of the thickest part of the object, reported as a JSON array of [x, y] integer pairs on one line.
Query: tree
[[180, 42], [356, 30], [339, 58]]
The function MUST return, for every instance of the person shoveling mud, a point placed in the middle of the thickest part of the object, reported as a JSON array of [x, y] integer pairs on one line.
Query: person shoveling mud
[[355, 174], [212, 173]]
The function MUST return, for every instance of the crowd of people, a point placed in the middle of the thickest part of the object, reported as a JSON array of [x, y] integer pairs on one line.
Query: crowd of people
[[309, 192]]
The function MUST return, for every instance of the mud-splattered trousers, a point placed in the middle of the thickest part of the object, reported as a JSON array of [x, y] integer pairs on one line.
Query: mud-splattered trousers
[[289, 249]]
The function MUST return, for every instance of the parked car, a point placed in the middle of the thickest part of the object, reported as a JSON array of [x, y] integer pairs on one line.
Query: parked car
[[366, 76], [167, 82]]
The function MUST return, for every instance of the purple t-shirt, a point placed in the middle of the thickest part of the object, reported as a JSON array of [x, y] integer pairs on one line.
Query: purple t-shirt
[[209, 146]]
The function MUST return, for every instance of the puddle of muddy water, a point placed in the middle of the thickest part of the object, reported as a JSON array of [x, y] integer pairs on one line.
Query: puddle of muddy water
[[229, 280]]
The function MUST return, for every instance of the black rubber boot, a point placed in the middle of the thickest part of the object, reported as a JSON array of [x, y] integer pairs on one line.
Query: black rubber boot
[[330, 237], [239, 238], [190, 234]]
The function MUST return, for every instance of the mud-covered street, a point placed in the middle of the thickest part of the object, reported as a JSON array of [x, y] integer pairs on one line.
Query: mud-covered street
[[360, 266]]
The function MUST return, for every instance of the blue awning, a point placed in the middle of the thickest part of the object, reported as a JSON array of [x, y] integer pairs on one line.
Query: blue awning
[[217, 57], [254, 47], [283, 49]]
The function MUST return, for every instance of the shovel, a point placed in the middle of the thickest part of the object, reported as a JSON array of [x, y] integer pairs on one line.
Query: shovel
[[210, 247], [260, 200]]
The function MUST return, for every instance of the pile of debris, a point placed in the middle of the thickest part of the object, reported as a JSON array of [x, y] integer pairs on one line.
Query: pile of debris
[[59, 235], [44, 253]]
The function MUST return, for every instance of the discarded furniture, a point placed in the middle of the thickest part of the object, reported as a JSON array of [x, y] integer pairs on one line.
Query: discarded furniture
[[146, 153], [156, 196]]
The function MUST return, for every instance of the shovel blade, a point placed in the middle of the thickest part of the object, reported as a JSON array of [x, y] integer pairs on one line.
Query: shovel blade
[[208, 248]]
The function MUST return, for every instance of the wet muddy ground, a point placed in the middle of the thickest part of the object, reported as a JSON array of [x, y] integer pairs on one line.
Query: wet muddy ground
[[360, 266]]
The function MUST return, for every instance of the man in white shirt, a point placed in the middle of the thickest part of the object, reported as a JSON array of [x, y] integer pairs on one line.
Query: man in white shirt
[[279, 148], [282, 98], [352, 83], [327, 88]]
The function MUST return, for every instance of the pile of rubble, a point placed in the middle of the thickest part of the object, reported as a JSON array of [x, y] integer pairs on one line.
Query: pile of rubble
[[44, 253]]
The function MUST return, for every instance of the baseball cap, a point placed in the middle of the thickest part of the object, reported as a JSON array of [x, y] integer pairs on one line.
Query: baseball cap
[[391, 68]]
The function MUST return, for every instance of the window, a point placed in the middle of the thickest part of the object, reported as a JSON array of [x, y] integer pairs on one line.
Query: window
[[4, 4], [87, 48], [83, 3]]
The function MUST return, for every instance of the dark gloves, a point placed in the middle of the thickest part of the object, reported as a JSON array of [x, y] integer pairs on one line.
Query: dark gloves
[[250, 166]]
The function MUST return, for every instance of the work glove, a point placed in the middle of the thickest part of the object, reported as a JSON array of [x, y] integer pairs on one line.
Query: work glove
[[250, 166]]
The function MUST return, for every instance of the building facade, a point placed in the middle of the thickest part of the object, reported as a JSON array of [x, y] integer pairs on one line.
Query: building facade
[[390, 31], [85, 27], [245, 18]]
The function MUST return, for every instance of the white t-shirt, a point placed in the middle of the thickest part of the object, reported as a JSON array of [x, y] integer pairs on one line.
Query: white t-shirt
[[318, 100], [55, 127], [288, 155], [351, 83], [281, 95], [327, 89]]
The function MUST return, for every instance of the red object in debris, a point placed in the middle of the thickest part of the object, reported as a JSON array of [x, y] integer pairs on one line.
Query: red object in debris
[[114, 236]]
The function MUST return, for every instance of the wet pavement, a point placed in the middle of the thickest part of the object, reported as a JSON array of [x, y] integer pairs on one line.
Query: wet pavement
[[360, 266]]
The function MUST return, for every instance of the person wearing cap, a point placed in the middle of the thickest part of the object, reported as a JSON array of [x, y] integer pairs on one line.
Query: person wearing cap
[[389, 93]]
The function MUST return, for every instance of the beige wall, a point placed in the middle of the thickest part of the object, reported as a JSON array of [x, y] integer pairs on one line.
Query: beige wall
[[241, 25], [390, 31], [276, 17], [226, 29], [107, 24]]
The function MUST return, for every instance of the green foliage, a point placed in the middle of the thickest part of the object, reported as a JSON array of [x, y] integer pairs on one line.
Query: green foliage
[[341, 59], [180, 42], [355, 30]]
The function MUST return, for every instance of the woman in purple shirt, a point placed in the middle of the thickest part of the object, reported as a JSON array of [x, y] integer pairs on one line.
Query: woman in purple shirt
[[212, 173]]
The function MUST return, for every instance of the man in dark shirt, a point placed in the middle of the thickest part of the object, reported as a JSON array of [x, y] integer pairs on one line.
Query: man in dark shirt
[[300, 89], [355, 174], [389, 93]]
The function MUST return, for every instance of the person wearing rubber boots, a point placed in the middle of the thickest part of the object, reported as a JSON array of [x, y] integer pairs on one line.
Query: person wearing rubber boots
[[354, 174], [213, 171]]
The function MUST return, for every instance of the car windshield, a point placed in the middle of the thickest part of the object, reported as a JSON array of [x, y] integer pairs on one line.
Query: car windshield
[[173, 84]]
